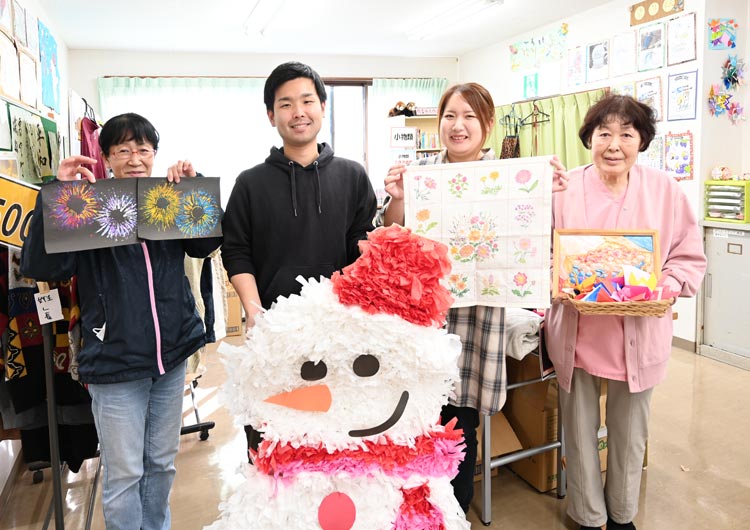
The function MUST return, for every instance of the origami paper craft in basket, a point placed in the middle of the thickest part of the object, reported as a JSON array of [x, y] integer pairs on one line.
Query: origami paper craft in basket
[[346, 381], [583, 259]]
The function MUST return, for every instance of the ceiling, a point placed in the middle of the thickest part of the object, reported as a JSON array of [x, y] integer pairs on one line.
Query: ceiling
[[318, 27]]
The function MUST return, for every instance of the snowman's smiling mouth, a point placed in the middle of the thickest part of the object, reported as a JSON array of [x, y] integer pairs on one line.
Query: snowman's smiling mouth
[[387, 424]]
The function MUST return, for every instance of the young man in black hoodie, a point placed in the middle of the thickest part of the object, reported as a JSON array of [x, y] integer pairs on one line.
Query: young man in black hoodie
[[302, 211]]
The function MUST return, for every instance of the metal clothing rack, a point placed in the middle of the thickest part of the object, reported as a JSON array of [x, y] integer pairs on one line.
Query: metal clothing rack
[[488, 464], [56, 467]]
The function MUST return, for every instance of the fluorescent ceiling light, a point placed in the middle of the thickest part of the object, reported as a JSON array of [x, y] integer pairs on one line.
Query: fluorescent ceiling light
[[453, 18], [261, 16]]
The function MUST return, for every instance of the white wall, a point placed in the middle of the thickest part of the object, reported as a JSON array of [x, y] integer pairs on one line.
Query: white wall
[[598, 24], [87, 65]]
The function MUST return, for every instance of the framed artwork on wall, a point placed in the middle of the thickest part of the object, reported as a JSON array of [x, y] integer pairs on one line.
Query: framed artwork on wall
[[678, 155], [50, 72], [682, 96], [653, 156], [681, 39], [597, 61], [27, 67], [19, 22], [648, 91], [32, 34], [6, 17], [651, 47], [722, 33], [623, 53], [9, 80], [576, 66], [624, 89]]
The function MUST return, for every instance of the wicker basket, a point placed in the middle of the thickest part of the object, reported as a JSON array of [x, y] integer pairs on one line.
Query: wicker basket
[[646, 308]]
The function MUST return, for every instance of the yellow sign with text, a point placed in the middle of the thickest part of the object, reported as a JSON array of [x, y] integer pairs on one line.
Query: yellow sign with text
[[17, 201]]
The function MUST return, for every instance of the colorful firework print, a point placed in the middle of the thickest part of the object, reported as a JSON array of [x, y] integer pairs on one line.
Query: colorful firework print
[[495, 216], [113, 212], [118, 217], [199, 213], [74, 204], [83, 216], [188, 209], [473, 238], [160, 206]]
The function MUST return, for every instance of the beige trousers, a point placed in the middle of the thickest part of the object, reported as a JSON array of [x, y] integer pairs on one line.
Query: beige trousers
[[589, 503]]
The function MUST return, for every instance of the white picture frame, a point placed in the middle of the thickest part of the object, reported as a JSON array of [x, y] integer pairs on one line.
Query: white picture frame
[[682, 96], [651, 47]]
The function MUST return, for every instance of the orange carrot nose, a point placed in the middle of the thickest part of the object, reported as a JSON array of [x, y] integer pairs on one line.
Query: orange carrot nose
[[308, 398]]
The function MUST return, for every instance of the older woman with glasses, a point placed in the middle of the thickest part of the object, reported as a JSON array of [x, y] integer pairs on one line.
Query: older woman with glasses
[[139, 325]]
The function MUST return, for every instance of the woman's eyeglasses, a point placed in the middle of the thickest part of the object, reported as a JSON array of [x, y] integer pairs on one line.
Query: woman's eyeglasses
[[124, 153]]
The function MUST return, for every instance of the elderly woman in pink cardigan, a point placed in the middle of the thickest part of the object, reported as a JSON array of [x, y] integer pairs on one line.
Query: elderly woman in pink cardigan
[[630, 353]]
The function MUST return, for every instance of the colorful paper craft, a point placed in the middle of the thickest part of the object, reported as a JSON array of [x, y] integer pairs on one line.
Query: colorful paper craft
[[584, 259], [722, 33]]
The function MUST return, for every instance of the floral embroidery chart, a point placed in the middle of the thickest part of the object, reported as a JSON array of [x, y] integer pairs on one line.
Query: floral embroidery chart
[[495, 217]]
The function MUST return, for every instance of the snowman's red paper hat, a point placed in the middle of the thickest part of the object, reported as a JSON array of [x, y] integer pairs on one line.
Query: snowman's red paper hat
[[398, 273]]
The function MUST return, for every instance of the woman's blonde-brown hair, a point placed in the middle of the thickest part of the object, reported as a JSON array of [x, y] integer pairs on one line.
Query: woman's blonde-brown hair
[[479, 100]]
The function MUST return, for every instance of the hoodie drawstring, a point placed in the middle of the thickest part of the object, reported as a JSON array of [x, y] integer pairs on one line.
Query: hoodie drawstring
[[318, 199], [294, 189], [318, 196]]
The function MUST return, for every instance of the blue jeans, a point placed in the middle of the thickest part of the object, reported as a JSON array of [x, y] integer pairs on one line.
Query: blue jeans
[[138, 423]]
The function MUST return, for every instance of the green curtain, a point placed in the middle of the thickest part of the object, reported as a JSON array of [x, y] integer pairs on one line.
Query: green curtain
[[556, 136], [425, 92], [116, 92]]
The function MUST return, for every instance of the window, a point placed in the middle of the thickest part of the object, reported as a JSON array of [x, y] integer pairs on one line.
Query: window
[[345, 121]]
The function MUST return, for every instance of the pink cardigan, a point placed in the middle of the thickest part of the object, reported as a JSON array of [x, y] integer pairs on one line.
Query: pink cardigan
[[653, 200]]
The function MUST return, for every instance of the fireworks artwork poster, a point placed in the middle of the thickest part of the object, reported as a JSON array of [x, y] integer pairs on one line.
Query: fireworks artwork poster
[[190, 209], [495, 217], [114, 212]]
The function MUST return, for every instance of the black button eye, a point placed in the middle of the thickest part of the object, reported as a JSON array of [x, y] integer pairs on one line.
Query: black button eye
[[312, 371], [366, 365]]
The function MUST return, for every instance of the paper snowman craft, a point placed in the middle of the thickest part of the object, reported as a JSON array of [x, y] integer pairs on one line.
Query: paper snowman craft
[[346, 381]]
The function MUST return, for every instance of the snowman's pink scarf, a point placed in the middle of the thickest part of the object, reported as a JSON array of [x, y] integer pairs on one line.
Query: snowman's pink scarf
[[436, 454]]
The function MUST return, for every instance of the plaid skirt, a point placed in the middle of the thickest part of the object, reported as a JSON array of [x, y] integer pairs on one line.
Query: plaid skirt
[[481, 365]]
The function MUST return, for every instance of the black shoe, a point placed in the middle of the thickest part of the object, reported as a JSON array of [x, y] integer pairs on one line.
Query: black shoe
[[591, 528], [611, 525]]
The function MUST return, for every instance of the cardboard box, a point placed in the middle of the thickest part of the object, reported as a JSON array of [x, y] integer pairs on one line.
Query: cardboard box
[[234, 312], [502, 441], [532, 413]]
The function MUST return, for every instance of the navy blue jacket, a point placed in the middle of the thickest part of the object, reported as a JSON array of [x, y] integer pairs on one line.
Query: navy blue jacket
[[125, 336]]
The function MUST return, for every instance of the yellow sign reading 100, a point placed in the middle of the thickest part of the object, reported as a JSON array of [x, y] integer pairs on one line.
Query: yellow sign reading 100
[[17, 201]]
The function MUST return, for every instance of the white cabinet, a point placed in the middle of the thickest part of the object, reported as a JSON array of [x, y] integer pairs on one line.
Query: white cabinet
[[726, 295]]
